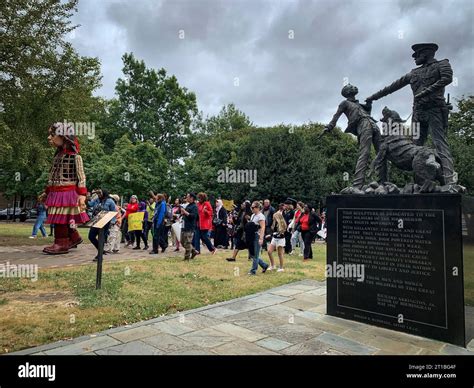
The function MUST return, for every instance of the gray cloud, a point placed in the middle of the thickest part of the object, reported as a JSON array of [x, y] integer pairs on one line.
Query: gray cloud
[[279, 79]]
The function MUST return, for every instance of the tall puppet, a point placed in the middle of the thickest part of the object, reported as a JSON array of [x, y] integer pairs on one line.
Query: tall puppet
[[66, 190]]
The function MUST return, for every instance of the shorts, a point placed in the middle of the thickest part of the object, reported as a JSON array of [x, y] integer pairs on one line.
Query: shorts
[[278, 242]]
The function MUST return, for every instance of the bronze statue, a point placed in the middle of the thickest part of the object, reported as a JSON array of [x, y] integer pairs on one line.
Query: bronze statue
[[429, 107], [402, 152], [362, 125]]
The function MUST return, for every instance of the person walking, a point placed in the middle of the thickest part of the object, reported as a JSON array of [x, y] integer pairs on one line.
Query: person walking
[[288, 214], [243, 217], [277, 243], [296, 236], [190, 216], [141, 234], [132, 207], [159, 224], [115, 233], [268, 211], [103, 202], [308, 224], [256, 227], [221, 238], [204, 224], [41, 217], [150, 208], [176, 212]]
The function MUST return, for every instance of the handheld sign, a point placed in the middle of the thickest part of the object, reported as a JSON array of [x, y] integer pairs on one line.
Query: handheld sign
[[135, 221]]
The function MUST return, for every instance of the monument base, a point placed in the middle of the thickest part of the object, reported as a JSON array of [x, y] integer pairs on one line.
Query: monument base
[[397, 262]]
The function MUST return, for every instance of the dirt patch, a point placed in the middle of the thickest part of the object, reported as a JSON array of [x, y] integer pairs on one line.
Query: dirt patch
[[43, 297]]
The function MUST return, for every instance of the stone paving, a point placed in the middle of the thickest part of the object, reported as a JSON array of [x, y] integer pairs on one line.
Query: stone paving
[[82, 255], [288, 320]]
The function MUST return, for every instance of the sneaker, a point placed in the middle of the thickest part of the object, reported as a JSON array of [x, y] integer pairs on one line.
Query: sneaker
[[265, 269], [153, 252], [146, 248], [270, 268], [280, 270], [290, 253], [251, 274], [32, 237], [213, 252], [136, 248], [194, 254], [300, 255], [231, 259]]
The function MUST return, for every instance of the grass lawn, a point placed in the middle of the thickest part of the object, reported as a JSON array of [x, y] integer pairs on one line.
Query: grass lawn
[[14, 234], [34, 313]]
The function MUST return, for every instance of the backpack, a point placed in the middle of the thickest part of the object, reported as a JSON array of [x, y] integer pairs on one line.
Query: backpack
[[168, 215]]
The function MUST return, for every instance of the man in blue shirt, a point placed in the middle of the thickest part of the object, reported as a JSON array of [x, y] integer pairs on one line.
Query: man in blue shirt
[[159, 224], [102, 203]]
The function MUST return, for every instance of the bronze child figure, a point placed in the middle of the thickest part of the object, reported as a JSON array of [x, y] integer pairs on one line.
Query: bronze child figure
[[360, 124]]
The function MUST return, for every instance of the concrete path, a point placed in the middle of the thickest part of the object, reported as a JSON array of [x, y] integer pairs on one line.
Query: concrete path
[[285, 320], [82, 255]]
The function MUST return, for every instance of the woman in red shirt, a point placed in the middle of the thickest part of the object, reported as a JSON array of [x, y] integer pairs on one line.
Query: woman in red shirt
[[296, 234], [204, 224], [308, 224], [132, 207]]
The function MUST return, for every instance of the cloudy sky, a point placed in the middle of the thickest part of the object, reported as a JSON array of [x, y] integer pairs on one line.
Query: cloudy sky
[[279, 61]]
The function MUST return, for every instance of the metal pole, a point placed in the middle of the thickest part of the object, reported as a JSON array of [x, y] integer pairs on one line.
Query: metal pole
[[98, 282]]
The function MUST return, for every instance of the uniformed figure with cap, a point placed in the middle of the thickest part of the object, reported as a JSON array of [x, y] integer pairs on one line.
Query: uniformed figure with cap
[[429, 107]]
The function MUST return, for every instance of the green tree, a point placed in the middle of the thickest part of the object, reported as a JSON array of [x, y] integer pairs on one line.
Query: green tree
[[42, 80], [461, 141], [153, 106], [129, 169]]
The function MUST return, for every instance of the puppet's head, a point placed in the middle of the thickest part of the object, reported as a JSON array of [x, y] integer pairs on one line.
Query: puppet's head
[[63, 137]]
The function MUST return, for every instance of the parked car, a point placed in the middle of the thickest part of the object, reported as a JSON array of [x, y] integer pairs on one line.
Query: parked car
[[7, 214]]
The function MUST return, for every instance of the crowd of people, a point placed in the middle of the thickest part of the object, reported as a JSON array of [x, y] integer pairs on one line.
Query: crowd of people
[[191, 222]]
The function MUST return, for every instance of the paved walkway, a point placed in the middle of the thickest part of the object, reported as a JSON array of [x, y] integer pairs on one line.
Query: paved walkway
[[285, 320], [82, 255]]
